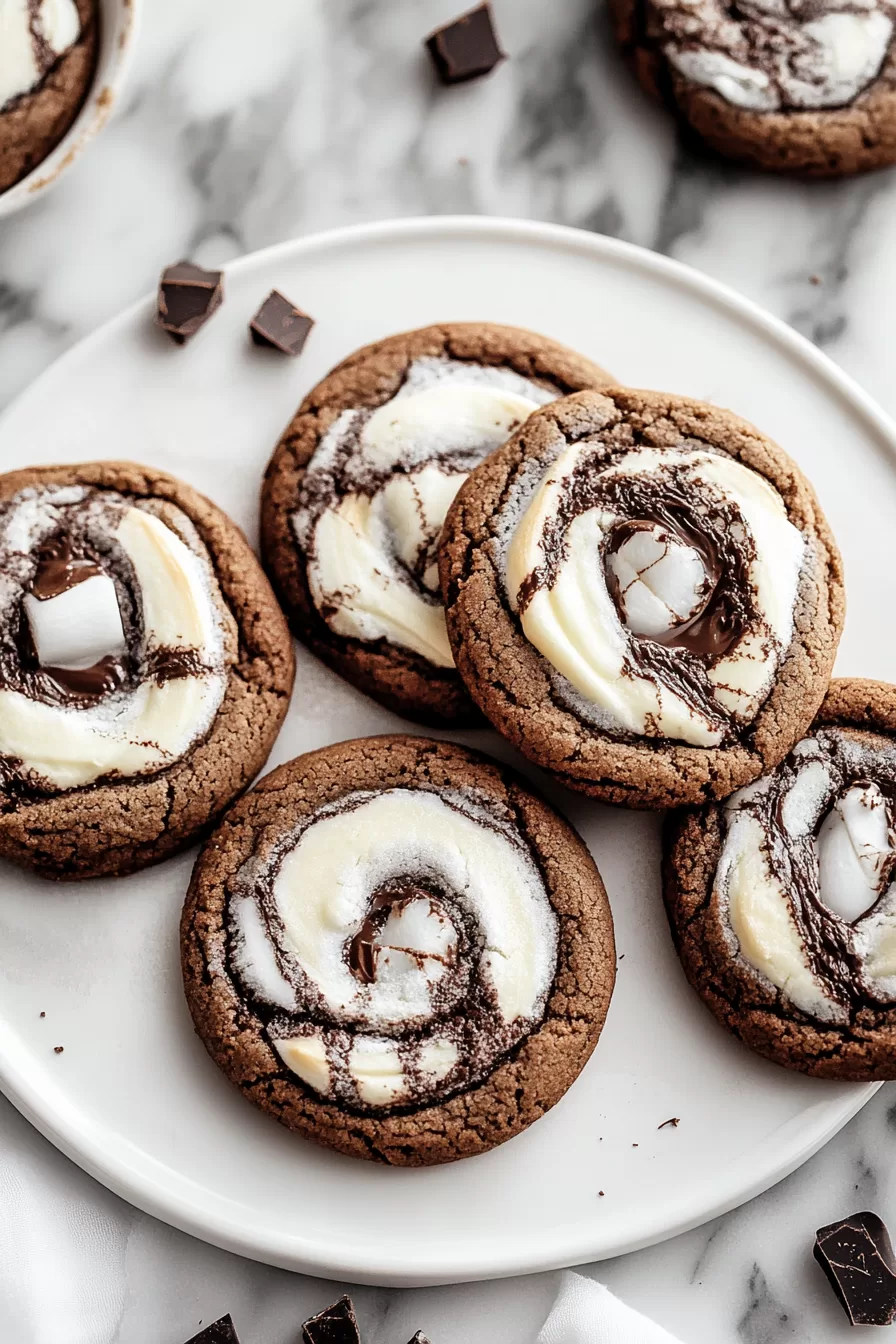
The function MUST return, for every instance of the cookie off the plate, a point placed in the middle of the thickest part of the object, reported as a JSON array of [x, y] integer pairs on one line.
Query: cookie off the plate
[[789, 88], [357, 489], [395, 948], [48, 55], [643, 595], [782, 900], [145, 667]]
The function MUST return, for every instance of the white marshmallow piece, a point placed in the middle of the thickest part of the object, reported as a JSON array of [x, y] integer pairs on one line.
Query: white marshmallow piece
[[661, 581], [414, 939], [78, 628], [418, 927], [853, 845]]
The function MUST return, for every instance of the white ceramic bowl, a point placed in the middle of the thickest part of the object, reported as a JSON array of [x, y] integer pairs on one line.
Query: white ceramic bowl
[[118, 32]]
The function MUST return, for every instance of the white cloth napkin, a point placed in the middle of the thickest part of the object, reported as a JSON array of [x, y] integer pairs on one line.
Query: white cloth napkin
[[587, 1313]]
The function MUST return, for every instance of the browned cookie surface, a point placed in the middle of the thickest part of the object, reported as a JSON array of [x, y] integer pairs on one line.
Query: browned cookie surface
[[33, 123], [117, 765], [781, 903], [631, 714], [396, 949], [791, 89], [381, 626]]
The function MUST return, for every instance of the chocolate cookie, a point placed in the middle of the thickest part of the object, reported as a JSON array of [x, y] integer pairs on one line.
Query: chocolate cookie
[[47, 60], [642, 594], [396, 949], [782, 901], [145, 667], [807, 89], [357, 489]]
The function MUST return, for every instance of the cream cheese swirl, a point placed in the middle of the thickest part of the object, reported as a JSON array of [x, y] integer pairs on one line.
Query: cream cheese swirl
[[33, 35], [399, 944], [804, 883], [769, 55], [378, 487], [142, 708], [659, 584]]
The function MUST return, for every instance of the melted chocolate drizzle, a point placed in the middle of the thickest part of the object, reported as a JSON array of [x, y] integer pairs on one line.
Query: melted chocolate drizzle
[[87, 683], [827, 939], [82, 547], [700, 517], [60, 567], [717, 625], [363, 951], [463, 1003]]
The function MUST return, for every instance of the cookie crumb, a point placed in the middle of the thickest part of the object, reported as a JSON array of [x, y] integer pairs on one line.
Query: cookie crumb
[[814, 279], [57, 1049], [674, 1121], [43, 1014], [601, 1193]]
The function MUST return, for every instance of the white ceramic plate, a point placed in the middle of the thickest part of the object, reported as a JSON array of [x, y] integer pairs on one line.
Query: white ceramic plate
[[134, 1099]]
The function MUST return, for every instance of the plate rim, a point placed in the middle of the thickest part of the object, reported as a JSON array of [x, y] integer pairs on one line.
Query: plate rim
[[77, 1139]]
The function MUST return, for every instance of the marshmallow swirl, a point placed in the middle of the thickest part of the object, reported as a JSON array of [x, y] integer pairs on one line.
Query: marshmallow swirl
[[377, 489], [773, 55], [398, 945], [114, 641], [33, 36], [805, 881], [659, 584]]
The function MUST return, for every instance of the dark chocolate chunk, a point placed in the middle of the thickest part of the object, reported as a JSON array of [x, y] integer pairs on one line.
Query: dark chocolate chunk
[[279, 324], [188, 296], [220, 1332], [336, 1325], [857, 1256], [466, 48]]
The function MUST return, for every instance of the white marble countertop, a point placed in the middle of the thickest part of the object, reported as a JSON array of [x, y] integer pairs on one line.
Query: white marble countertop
[[245, 124]]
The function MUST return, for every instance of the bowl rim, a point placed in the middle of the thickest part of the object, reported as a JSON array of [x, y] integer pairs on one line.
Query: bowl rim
[[119, 25]]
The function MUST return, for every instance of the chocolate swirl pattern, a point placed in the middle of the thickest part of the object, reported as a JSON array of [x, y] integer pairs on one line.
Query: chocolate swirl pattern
[[377, 489], [659, 584], [399, 945], [774, 55], [114, 647], [805, 881], [33, 36]]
